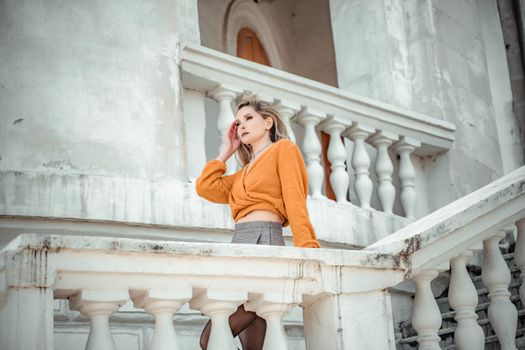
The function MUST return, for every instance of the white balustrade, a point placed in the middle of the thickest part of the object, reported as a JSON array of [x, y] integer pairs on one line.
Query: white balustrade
[[287, 110], [361, 162], [337, 155], [519, 255], [426, 317], [162, 304], [225, 95], [463, 298], [98, 306], [496, 277], [384, 169], [407, 175], [311, 148], [219, 305]]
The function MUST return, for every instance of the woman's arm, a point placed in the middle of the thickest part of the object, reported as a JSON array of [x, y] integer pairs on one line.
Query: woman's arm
[[294, 186], [212, 185]]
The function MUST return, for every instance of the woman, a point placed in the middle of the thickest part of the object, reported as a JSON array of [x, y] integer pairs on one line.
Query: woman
[[267, 193]]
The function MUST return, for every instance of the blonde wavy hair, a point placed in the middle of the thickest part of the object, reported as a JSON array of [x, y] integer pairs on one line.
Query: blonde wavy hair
[[277, 132]]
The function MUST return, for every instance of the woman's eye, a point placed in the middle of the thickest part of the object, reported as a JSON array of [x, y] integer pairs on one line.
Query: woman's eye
[[248, 118]]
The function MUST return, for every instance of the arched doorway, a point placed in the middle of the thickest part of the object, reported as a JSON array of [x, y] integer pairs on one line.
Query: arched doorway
[[250, 47]]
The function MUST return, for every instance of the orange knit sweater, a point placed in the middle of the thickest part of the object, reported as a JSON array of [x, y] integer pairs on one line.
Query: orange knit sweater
[[276, 181]]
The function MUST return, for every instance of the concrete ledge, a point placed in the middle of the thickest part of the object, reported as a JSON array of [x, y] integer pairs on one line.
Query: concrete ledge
[[166, 205]]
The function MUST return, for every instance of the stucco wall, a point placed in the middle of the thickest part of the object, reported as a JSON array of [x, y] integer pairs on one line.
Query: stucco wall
[[93, 87]]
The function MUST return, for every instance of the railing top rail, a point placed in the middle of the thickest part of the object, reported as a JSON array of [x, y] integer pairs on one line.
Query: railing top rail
[[331, 257], [458, 226], [204, 69]]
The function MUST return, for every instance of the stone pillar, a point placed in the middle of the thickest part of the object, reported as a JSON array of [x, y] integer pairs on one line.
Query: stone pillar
[[350, 321]]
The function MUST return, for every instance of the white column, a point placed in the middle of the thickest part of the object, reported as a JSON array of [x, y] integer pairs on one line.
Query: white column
[[98, 306], [519, 255], [287, 110], [225, 95], [463, 298], [343, 321], [163, 305], [272, 310], [26, 291], [426, 317], [311, 148], [219, 305], [337, 155], [384, 169], [407, 175], [26, 320], [496, 276], [361, 162]]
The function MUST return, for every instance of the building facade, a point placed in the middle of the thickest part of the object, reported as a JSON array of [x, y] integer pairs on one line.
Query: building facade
[[111, 109]]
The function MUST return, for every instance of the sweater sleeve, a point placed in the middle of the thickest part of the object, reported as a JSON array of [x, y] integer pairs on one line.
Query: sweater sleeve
[[294, 187], [212, 185]]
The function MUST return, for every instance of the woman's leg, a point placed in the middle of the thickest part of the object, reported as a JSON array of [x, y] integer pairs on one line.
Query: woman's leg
[[238, 322], [252, 337]]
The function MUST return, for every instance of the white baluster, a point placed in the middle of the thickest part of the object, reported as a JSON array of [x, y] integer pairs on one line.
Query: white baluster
[[98, 306], [519, 255], [496, 276], [463, 298], [337, 155], [311, 148], [272, 311], [219, 305], [361, 162], [224, 96], [163, 305], [287, 110], [384, 169], [426, 317], [407, 175]]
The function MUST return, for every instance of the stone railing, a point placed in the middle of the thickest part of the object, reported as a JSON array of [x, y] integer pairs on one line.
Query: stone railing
[[446, 239], [344, 291], [314, 106]]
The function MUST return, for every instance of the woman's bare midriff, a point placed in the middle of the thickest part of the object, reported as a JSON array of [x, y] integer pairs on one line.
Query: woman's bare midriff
[[260, 215]]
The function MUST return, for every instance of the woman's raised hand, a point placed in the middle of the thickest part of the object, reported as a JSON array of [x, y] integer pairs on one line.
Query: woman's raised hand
[[231, 142]]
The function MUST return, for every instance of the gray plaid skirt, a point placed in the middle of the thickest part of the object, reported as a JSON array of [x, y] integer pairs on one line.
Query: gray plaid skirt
[[258, 232]]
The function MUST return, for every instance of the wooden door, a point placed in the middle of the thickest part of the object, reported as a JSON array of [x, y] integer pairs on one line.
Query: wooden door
[[250, 47]]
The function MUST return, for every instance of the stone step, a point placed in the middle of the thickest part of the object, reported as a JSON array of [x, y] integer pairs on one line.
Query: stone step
[[479, 307], [450, 330], [481, 292], [450, 315], [493, 339], [513, 269], [449, 325]]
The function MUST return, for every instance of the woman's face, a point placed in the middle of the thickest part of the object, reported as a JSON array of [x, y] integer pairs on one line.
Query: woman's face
[[251, 126]]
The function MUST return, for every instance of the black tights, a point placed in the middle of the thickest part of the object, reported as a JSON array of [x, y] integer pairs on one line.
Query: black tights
[[247, 325]]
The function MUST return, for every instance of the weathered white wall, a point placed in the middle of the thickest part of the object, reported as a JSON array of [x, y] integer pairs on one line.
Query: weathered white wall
[[93, 87], [428, 56], [510, 17], [509, 133]]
